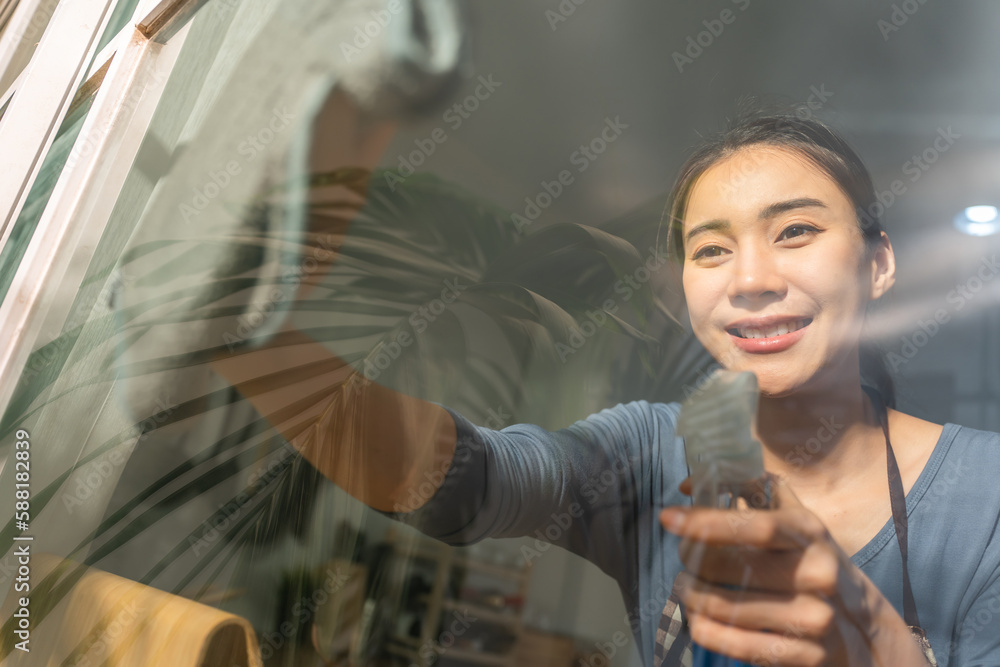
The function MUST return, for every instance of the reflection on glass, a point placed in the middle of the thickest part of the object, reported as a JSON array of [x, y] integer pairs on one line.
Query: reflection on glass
[[293, 350]]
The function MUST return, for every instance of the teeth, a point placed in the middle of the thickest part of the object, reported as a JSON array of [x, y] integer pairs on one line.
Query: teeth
[[771, 332]]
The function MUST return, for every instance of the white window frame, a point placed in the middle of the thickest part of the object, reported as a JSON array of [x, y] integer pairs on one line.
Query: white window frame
[[80, 205], [46, 91], [21, 35]]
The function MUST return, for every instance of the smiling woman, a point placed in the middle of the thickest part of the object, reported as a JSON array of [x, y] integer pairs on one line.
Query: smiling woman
[[806, 187]]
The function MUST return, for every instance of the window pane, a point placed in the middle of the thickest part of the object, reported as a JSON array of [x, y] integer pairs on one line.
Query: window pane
[[38, 198], [451, 445]]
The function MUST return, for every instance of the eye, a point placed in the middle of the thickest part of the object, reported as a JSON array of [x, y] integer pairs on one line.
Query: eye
[[793, 231], [708, 251]]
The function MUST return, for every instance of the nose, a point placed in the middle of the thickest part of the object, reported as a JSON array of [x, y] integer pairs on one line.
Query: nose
[[756, 278]]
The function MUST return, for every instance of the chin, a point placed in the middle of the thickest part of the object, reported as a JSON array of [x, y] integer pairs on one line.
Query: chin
[[772, 382], [778, 390]]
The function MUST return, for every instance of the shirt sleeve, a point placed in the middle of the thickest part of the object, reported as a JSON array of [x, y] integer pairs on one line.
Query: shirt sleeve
[[580, 487], [977, 639]]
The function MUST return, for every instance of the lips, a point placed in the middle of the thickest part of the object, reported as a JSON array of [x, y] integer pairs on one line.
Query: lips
[[768, 334], [769, 330]]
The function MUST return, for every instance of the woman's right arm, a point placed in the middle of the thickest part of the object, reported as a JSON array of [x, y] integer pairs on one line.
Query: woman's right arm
[[375, 443]]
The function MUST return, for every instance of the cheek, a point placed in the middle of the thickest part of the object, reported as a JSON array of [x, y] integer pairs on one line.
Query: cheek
[[700, 298], [840, 287]]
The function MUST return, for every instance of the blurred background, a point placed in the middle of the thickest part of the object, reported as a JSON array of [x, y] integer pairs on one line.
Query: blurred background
[[518, 123]]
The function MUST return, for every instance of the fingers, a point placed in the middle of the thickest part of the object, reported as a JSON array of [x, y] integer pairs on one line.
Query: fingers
[[758, 648], [759, 493], [814, 569], [787, 528], [766, 582], [801, 614]]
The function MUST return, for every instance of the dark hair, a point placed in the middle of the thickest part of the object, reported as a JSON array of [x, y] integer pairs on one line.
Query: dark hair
[[816, 141]]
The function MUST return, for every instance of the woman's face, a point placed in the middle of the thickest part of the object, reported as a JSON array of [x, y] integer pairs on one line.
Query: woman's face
[[776, 275]]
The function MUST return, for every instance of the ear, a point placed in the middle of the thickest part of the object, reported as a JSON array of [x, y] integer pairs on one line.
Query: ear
[[883, 268]]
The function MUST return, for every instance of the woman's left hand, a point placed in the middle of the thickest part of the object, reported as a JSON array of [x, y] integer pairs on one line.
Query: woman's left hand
[[772, 587]]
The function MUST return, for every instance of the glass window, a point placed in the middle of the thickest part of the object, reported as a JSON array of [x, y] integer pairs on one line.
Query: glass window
[[382, 335]]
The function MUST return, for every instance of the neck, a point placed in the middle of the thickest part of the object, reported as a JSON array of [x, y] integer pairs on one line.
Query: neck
[[822, 440]]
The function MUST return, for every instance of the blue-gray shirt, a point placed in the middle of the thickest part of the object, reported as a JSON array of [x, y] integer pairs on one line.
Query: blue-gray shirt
[[596, 488]]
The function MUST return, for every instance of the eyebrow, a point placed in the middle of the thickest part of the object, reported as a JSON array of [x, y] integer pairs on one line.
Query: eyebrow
[[767, 212]]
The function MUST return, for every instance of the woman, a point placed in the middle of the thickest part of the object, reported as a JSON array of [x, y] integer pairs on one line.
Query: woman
[[778, 271]]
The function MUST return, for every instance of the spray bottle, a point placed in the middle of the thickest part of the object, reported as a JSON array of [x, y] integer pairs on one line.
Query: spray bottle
[[718, 424]]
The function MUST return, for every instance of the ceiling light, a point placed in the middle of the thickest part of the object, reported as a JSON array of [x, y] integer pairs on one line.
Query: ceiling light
[[978, 221]]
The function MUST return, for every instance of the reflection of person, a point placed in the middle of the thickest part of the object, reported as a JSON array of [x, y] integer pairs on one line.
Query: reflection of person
[[778, 271]]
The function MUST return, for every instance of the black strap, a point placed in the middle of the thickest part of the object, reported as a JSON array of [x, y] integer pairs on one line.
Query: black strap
[[898, 501]]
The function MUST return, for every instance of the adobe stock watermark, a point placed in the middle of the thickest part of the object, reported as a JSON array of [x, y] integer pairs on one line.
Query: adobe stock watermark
[[420, 321], [39, 19], [100, 650], [151, 74], [214, 527], [983, 616], [303, 610], [957, 299], [652, 609], [430, 651], [899, 16], [798, 457], [816, 99], [454, 117], [626, 286], [914, 168], [594, 488], [607, 650], [221, 177], [698, 43], [259, 312], [225, 517], [794, 630], [581, 158], [364, 34], [101, 469], [562, 12], [804, 452], [952, 472], [84, 310], [433, 479], [549, 534]]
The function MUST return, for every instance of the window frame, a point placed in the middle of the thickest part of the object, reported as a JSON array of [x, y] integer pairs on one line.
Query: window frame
[[75, 216]]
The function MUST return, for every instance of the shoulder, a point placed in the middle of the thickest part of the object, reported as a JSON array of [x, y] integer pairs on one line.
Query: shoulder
[[909, 428], [977, 448], [961, 474], [941, 450], [910, 431]]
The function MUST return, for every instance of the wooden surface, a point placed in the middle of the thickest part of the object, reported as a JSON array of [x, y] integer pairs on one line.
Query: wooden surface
[[95, 618]]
